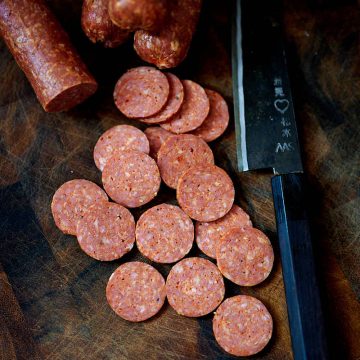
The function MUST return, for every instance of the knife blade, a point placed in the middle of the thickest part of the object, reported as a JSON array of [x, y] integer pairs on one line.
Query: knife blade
[[267, 138]]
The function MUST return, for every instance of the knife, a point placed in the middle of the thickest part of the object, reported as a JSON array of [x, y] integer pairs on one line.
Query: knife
[[266, 138]]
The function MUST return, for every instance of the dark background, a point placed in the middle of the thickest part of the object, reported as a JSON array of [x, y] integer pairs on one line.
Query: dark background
[[52, 299]]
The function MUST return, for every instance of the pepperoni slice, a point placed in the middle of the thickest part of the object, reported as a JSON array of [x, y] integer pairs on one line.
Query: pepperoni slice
[[136, 291], [194, 287], [156, 136], [242, 325], [208, 234], [245, 256], [164, 233], [119, 138], [193, 111], [106, 232], [141, 92], [176, 98], [72, 200], [179, 153], [131, 178], [217, 121], [205, 192]]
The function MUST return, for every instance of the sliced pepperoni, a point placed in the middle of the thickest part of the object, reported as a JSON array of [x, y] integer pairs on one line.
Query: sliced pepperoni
[[208, 234], [72, 200], [194, 287], [156, 136], [176, 98], [131, 178], [242, 325], [193, 112], [217, 121], [179, 153], [119, 138], [106, 232], [205, 192], [141, 92], [136, 291], [164, 233], [245, 256]]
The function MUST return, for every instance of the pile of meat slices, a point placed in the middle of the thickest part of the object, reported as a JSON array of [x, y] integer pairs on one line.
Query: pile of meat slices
[[133, 163]]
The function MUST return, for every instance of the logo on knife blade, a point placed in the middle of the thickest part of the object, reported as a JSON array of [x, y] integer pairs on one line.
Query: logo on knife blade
[[281, 105], [284, 147]]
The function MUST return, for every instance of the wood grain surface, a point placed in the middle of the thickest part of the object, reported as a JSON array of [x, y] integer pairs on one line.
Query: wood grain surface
[[52, 296]]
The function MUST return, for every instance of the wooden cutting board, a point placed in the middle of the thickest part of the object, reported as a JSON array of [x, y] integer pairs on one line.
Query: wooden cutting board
[[52, 299]]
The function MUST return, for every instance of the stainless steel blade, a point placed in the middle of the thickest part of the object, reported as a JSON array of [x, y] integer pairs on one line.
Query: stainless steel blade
[[266, 133]]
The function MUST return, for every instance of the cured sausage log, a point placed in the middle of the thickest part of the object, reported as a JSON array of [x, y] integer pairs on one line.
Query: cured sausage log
[[139, 14], [97, 25], [168, 47], [43, 51]]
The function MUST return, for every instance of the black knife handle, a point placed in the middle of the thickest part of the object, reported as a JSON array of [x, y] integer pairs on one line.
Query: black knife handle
[[299, 273]]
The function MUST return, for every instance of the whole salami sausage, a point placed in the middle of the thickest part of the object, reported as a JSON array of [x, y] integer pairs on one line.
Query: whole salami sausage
[[168, 47], [97, 25], [43, 51], [139, 14]]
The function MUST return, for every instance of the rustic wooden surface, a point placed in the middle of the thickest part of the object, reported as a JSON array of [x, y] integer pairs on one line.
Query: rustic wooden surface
[[52, 301]]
